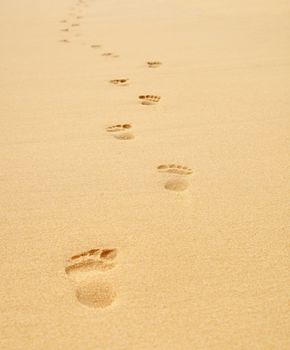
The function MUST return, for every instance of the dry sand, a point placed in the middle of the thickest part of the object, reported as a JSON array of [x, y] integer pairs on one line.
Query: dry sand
[[192, 255]]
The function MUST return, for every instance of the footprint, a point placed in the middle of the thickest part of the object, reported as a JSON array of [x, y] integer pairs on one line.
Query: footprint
[[174, 169], [120, 82], [119, 129], [149, 99], [75, 24], [95, 46], [64, 41], [176, 184], [64, 30], [86, 270], [110, 54], [94, 259], [154, 64]]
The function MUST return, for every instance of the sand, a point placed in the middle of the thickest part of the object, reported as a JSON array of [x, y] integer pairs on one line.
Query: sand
[[158, 222]]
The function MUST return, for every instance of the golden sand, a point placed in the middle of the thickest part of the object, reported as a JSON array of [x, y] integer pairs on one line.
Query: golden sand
[[153, 214]]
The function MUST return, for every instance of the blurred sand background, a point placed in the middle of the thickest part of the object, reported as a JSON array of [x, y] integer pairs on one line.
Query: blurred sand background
[[202, 269]]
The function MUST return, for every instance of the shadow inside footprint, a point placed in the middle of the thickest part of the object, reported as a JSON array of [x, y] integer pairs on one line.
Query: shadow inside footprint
[[93, 260], [176, 185], [124, 136], [97, 293]]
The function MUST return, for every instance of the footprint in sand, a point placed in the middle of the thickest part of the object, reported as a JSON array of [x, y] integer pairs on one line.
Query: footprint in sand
[[176, 183], [119, 82], [110, 54], [149, 99], [154, 64], [89, 274], [64, 41], [120, 131], [95, 46]]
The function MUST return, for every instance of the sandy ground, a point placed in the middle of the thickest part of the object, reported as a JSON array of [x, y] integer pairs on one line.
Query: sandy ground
[[103, 250]]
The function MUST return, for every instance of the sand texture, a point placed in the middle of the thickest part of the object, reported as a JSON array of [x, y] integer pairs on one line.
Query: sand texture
[[144, 174]]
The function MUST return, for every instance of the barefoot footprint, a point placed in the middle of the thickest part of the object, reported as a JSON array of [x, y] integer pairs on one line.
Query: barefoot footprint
[[120, 82], [110, 54], [149, 99], [86, 270], [175, 183], [95, 46], [154, 64], [119, 131]]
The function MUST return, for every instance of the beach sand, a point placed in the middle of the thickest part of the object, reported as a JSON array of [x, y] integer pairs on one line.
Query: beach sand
[[159, 222]]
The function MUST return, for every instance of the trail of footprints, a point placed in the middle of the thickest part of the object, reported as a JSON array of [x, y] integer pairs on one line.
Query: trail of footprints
[[90, 271]]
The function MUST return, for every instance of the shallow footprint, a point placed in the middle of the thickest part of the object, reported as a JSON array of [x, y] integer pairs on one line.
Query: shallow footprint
[[119, 82], [110, 54], [174, 169], [149, 99], [95, 46], [176, 183], [86, 270], [118, 127], [119, 131], [154, 64]]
